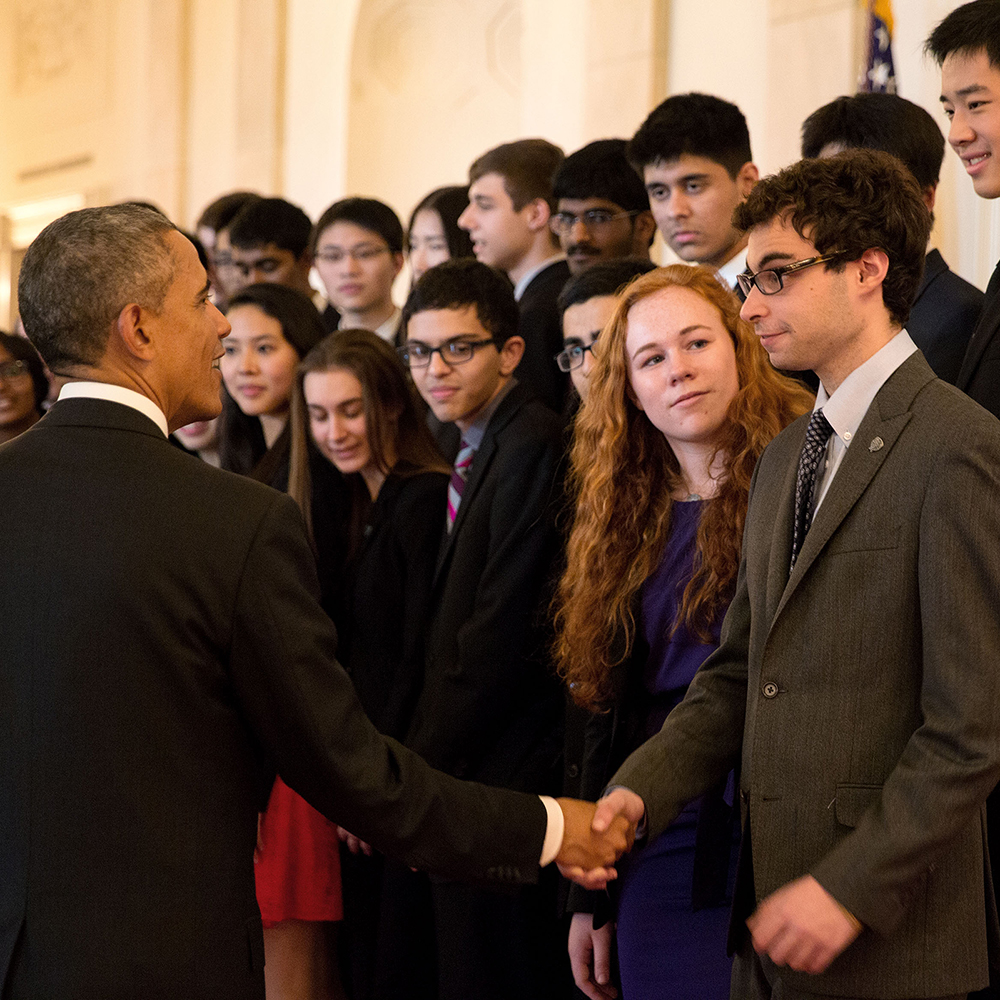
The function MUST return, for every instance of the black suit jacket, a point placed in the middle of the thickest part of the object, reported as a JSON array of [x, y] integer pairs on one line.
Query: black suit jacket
[[943, 317], [389, 586], [980, 373], [162, 652], [490, 707], [541, 327]]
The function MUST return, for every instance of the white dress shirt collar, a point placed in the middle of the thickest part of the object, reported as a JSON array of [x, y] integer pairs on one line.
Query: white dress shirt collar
[[526, 279], [116, 394], [734, 266], [851, 400]]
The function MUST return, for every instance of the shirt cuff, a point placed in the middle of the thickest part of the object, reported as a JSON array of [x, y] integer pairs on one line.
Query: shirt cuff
[[555, 827]]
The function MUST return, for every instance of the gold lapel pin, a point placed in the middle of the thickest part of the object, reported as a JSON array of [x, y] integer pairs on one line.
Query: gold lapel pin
[[876, 445]]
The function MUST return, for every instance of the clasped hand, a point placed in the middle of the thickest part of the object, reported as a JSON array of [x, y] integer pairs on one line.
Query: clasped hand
[[597, 836]]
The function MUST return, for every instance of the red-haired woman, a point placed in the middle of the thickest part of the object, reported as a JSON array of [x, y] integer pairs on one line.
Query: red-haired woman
[[683, 400]]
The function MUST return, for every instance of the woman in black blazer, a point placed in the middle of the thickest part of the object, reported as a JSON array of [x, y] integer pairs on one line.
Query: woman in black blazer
[[353, 401]]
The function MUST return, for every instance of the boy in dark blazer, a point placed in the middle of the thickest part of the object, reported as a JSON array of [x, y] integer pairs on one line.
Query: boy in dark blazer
[[490, 707]]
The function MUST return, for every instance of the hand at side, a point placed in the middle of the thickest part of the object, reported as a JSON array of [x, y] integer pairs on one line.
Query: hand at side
[[802, 926], [590, 956]]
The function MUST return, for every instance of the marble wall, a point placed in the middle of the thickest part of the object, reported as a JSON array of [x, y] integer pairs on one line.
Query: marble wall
[[176, 101]]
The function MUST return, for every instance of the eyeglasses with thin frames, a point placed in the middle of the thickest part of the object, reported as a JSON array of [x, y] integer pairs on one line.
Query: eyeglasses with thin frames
[[417, 354], [362, 254], [594, 218], [770, 281]]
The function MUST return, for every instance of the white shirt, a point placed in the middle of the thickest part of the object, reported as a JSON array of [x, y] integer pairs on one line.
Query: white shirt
[[734, 266], [116, 394], [526, 279], [847, 407], [386, 330]]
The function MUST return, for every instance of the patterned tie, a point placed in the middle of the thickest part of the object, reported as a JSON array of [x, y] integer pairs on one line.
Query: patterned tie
[[458, 476], [817, 435]]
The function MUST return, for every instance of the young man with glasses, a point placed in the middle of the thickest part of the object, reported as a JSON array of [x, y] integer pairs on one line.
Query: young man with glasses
[[587, 303], [693, 152], [857, 677], [602, 209], [508, 219], [490, 706], [357, 247]]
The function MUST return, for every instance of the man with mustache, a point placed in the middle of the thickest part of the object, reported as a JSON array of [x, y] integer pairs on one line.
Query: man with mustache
[[602, 209]]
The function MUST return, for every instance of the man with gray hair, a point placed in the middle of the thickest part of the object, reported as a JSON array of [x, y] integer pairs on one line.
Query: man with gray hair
[[163, 653]]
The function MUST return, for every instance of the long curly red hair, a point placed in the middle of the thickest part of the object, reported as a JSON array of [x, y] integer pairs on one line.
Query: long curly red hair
[[622, 475]]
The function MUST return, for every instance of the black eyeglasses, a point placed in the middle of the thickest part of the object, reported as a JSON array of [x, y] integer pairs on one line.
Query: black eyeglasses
[[416, 354], [572, 357], [12, 370], [594, 218], [771, 280]]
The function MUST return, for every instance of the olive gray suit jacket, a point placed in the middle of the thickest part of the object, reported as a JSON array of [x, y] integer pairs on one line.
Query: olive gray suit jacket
[[863, 691], [162, 651]]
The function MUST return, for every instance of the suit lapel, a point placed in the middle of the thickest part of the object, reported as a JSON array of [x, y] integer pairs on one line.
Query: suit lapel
[[884, 421], [784, 514]]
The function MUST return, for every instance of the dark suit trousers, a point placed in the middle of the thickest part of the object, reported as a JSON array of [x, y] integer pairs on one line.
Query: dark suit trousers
[[756, 978]]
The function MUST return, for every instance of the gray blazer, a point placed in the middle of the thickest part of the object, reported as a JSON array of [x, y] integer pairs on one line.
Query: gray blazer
[[863, 692]]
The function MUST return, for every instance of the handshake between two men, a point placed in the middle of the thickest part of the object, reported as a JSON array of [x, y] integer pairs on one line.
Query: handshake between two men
[[596, 836]]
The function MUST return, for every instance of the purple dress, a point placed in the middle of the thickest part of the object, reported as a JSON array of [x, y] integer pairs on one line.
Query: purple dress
[[673, 910]]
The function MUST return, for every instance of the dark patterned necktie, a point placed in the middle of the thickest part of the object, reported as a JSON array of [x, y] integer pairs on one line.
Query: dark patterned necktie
[[817, 435], [458, 476]]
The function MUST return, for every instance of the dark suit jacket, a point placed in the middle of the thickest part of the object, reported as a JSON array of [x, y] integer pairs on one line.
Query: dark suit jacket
[[865, 691], [162, 651], [390, 598], [943, 317], [541, 327], [980, 373], [490, 706]]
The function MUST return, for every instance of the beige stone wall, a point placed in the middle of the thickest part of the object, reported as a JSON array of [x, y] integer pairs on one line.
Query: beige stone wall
[[176, 101]]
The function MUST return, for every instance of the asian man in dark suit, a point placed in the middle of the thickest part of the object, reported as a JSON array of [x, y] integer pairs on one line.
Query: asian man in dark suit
[[857, 677], [966, 45], [947, 307], [163, 652], [491, 708]]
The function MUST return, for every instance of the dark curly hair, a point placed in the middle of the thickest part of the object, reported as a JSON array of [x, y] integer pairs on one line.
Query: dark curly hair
[[859, 200]]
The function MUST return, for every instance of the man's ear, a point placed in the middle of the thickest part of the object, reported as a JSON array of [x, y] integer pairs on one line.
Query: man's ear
[[131, 333], [929, 193], [537, 214], [643, 231], [397, 262], [873, 266], [511, 354], [747, 178]]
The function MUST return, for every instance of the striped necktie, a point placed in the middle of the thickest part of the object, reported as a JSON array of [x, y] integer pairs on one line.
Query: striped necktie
[[458, 476]]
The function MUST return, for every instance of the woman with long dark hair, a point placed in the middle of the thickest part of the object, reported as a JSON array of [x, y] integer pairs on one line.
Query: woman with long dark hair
[[682, 401], [353, 400]]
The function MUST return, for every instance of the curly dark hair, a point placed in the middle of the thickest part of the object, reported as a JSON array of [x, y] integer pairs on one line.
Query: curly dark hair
[[859, 200]]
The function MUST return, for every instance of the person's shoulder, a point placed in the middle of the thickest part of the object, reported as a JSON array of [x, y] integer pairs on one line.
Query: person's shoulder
[[943, 282], [522, 415], [547, 284]]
